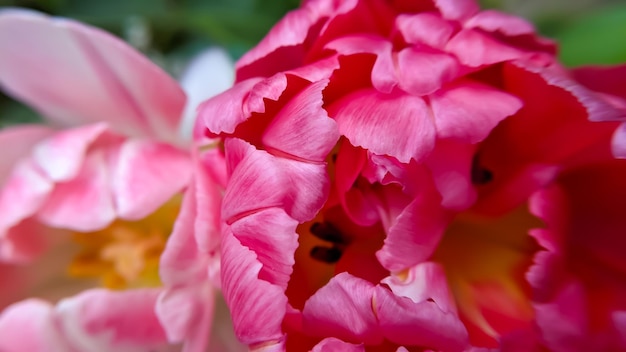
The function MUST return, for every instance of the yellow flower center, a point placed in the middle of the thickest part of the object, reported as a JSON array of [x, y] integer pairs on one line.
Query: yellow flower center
[[125, 254], [485, 260]]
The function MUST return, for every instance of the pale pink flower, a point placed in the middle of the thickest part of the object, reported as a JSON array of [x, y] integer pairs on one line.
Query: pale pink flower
[[381, 157], [91, 199]]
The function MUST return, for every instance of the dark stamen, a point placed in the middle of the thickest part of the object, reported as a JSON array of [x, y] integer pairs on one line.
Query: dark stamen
[[328, 255], [480, 174], [327, 232]]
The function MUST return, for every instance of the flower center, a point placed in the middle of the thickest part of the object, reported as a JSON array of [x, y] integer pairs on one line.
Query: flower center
[[485, 260], [331, 244], [125, 254]]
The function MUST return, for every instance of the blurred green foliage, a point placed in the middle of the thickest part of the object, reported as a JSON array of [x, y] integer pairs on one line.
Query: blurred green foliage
[[171, 31]]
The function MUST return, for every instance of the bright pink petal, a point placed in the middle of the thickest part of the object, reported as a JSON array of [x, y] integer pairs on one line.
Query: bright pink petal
[[331, 344], [101, 320], [257, 306], [303, 119], [16, 143], [492, 21], [422, 71], [451, 165], [475, 48], [383, 77], [261, 180], [457, 9], [282, 47], [415, 234], [343, 309], [145, 175], [30, 326], [425, 28], [457, 115], [84, 203], [222, 113], [396, 124], [355, 201], [271, 235], [618, 143], [405, 322], [75, 74]]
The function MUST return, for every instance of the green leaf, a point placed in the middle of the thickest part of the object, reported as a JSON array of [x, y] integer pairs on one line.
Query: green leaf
[[596, 38]]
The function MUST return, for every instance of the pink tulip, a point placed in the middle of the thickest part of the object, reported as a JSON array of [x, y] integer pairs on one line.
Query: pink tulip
[[384, 160], [90, 199]]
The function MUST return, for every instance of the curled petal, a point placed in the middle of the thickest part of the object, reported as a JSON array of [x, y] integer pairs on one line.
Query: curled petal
[[343, 308], [424, 324], [271, 235], [416, 233], [303, 119], [261, 180], [458, 116], [399, 125], [257, 306]]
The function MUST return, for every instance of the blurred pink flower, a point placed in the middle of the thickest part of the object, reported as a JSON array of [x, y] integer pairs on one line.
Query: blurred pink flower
[[381, 157], [96, 195]]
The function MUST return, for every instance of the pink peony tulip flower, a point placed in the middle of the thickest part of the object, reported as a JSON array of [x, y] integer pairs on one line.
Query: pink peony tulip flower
[[388, 166], [90, 200]]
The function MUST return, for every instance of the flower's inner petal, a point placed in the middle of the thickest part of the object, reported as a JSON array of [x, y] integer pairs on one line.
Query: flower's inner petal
[[485, 260], [125, 254]]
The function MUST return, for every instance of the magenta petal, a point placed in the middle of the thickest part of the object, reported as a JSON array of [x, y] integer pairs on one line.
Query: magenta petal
[[451, 165], [423, 71], [223, 112], [458, 115], [16, 143], [303, 119], [457, 9], [396, 124], [475, 48], [384, 77], [261, 180], [76, 74], [405, 322], [257, 306], [343, 308], [423, 282], [492, 21], [562, 321], [416, 233], [145, 175], [84, 203], [29, 326], [331, 344], [425, 28], [271, 235]]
